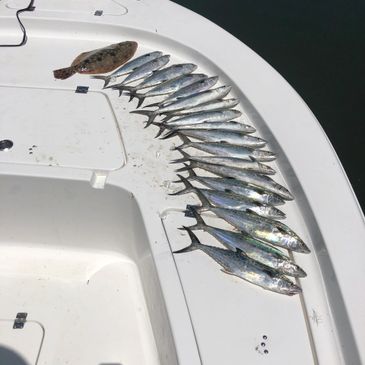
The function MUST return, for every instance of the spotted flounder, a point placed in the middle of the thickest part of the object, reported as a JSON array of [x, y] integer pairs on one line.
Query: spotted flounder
[[101, 60]]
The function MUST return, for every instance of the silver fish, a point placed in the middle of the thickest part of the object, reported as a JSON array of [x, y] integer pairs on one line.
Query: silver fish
[[195, 88], [225, 149], [232, 137], [200, 117], [250, 165], [223, 126], [225, 200], [159, 77], [264, 229], [208, 107], [263, 182], [237, 187], [172, 85], [128, 67], [186, 103], [143, 71], [254, 249], [240, 265]]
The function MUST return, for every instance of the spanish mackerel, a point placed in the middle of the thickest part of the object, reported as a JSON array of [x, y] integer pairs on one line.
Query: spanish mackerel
[[239, 163], [128, 67], [226, 149], [237, 187], [254, 249], [224, 104], [263, 182], [216, 135], [239, 264], [223, 126], [225, 200], [206, 116], [186, 103]]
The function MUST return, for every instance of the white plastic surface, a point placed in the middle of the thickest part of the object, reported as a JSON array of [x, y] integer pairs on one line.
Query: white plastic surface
[[214, 318], [20, 346], [55, 128]]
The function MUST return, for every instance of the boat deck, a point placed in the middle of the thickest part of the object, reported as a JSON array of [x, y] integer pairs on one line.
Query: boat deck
[[90, 228]]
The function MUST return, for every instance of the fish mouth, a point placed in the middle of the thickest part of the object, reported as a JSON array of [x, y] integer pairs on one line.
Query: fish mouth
[[295, 289], [300, 273], [304, 249]]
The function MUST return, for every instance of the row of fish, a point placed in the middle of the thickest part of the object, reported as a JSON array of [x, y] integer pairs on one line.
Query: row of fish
[[238, 189]]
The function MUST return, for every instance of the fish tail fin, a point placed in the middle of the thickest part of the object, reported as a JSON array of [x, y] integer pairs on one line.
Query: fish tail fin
[[64, 73], [186, 157], [205, 202], [188, 186], [106, 79], [161, 127], [169, 134], [195, 243], [191, 173], [151, 114], [167, 117], [200, 224], [140, 99], [151, 105], [186, 143], [186, 167]]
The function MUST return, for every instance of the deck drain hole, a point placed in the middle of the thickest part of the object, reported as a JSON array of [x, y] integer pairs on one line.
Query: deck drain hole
[[6, 144]]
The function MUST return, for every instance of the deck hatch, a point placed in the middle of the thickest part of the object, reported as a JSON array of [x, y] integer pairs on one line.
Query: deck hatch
[[60, 128]]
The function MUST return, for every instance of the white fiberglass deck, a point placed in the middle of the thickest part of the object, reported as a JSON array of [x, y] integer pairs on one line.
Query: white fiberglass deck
[[93, 268]]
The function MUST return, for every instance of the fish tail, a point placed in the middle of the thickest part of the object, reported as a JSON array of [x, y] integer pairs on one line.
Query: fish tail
[[186, 157], [195, 243], [106, 79], [167, 117], [161, 127], [188, 186], [186, 167], [64, 73], [169, 134], [191, 173], [140, 99], [186, 143], [153, 104], [149, 113], [200, 224]]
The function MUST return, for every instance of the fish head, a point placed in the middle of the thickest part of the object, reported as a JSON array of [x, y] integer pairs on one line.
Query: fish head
[[292, 269], [289, 288]]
